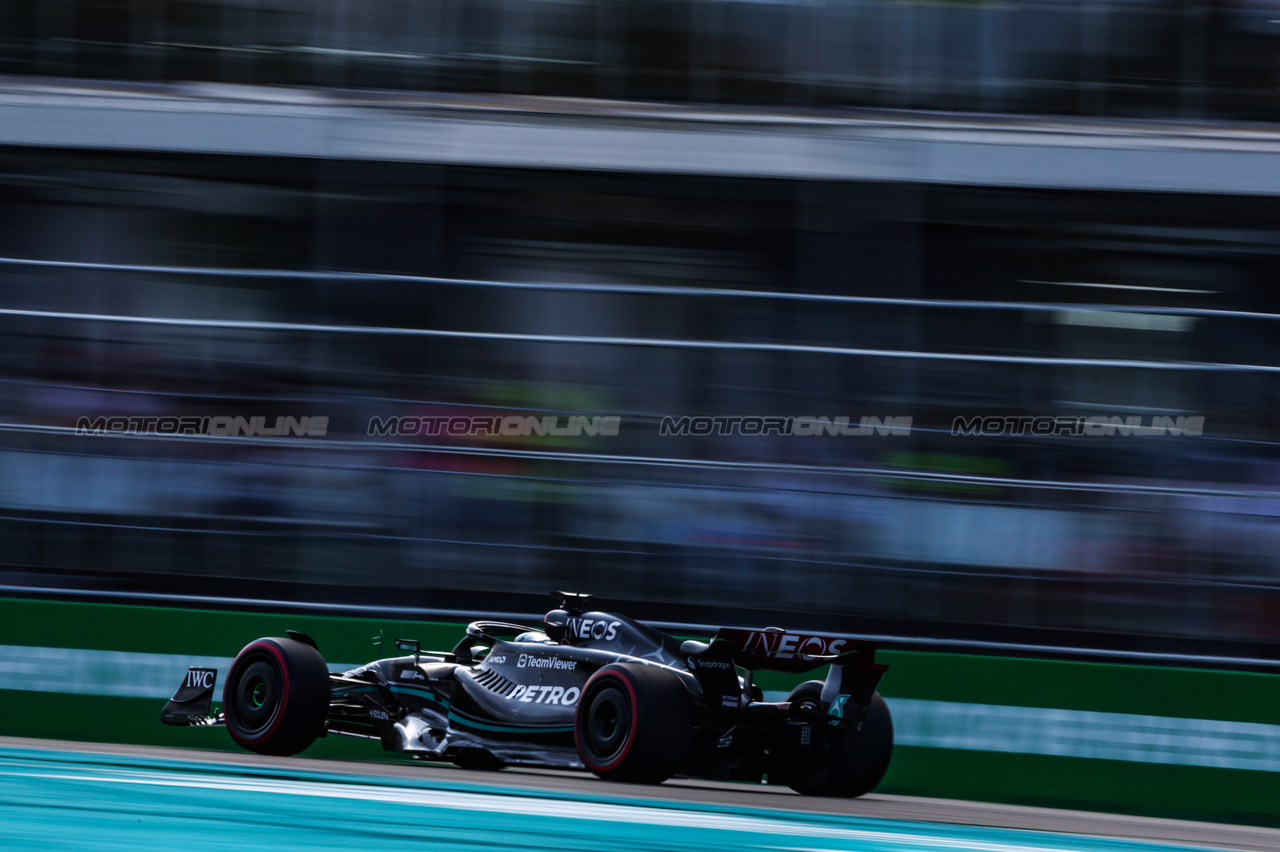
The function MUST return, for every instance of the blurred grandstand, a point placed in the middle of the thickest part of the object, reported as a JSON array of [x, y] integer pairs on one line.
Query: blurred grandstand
[[1152, 58], [429, 208]]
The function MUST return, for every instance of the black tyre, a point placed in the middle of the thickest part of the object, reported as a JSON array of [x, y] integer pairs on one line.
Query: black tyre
[[808, 694], [634, 723], [276, 696], [858, 759]]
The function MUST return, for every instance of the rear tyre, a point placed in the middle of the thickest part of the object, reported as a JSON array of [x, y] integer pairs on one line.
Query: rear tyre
[[634, 723], [858, 759], [276, 696], [807, 694]]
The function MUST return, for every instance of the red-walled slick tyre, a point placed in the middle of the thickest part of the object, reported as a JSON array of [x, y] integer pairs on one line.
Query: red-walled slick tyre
[[634, 723], [276, 696]]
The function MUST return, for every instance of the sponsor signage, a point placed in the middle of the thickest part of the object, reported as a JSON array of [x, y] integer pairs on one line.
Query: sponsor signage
[[589, 628], [546, 695], [781, 650]]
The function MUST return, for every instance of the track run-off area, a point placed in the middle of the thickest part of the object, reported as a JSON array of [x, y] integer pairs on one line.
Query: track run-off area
[[81, 796]]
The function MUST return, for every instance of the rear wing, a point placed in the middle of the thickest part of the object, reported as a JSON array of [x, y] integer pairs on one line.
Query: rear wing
[[776, 650], [849, 687]]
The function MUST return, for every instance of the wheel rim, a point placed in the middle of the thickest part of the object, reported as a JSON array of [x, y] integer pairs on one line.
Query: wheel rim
[[608, 724], [256, 697]]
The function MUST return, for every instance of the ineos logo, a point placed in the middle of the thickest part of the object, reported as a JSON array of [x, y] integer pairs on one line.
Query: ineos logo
[[820, 646], [785, 646], [589, 628], [200, 678]]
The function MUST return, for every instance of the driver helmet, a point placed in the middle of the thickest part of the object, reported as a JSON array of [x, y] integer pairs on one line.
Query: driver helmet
[[555, 622]]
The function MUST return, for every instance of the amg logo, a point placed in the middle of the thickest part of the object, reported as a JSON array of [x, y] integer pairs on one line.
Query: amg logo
[[546, 695], [412, 674], [533, 661], [589, 628]]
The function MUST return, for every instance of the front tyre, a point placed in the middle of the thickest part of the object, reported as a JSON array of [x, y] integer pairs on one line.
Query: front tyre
[[634, 723], [276, 696]]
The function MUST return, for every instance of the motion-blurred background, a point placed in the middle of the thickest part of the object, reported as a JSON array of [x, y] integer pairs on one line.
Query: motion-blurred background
[[645, 209]]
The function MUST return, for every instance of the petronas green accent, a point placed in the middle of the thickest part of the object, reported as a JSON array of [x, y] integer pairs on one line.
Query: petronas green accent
[[468, 722], [423, 692]]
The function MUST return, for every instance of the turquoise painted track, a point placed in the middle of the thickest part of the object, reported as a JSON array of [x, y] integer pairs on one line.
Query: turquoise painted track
[[69, 801]]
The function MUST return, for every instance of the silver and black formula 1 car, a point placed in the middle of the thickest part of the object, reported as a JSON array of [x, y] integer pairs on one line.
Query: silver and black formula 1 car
[[583, 690]]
